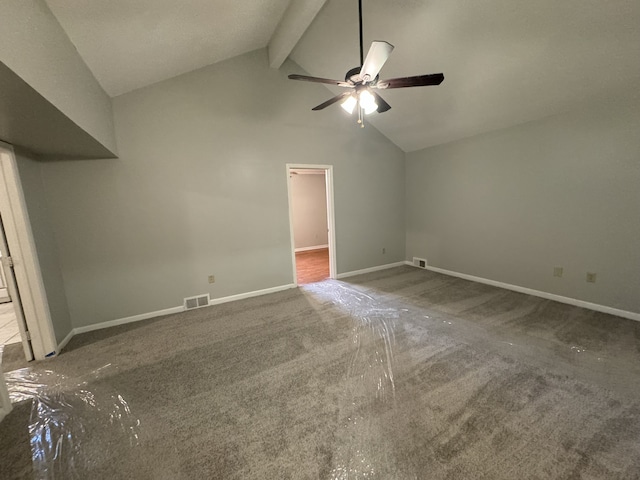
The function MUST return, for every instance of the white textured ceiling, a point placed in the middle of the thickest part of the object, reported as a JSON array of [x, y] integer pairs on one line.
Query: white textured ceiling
[[505, 61], [129, 44]]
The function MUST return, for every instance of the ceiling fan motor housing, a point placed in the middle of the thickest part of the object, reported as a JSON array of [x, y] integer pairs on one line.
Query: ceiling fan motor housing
[[353, 75]]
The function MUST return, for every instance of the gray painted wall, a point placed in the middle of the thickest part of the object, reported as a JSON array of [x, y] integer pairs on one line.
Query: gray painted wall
[[46, 245], [513, 204], [36, 48], [200, 188], [309, 199]]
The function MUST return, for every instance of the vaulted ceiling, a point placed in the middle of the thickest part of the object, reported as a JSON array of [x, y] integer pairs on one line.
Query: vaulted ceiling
[[505, 61]]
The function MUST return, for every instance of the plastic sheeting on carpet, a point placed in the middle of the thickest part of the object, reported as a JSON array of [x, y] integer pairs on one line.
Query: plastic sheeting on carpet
[[369, 385], [66, 413]]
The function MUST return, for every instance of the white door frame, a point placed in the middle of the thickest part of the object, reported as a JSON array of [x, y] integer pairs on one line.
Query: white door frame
[[14, 293], [25, 260], [331, 218]]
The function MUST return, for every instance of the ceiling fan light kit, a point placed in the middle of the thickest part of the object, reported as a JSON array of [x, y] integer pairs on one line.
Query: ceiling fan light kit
[[363, 81], [349, 104]]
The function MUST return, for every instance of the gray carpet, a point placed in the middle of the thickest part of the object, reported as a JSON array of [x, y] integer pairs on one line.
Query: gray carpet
[[399, 374]]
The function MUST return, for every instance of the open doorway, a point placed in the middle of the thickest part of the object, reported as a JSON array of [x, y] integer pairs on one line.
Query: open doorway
[[9, 331], [311, 218], [13, 327], [20, 264]]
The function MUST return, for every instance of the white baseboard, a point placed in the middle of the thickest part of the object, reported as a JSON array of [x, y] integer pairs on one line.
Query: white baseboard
[[315, 247], [256, 293], [122, 321], [65, 340], [167, 311], [369, 270], [538, 293]]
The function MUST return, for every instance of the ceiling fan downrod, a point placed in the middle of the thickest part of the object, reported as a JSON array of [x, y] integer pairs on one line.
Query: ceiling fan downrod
[[360, 109], [361, 43]]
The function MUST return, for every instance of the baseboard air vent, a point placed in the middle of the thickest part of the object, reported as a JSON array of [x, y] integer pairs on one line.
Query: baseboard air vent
[[419, 262], [198, 301]]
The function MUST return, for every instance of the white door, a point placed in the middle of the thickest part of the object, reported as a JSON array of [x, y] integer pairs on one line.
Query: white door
[[14, 294]]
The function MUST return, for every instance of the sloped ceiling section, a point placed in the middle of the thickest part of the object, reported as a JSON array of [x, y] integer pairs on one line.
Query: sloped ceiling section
[[505, 62], [130, 44], [36, 48], [30, 121], [294, 23]]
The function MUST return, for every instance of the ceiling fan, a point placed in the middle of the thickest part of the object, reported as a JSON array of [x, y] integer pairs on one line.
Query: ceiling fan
[[362, 82]]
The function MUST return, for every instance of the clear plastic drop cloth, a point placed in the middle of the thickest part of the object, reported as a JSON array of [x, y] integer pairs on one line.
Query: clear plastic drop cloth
[[428, 394], [66, 415], [362, 447]]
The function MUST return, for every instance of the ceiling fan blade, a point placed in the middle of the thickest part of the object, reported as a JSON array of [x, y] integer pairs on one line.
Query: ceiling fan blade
[[328, 81], [382, 105], [376, 58], [417, 81], [331, 101]]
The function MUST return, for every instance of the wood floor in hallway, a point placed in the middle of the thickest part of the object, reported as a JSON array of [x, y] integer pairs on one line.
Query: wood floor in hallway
[[312, 266]]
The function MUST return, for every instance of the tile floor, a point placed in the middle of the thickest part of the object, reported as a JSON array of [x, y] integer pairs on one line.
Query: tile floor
[[8, 326]]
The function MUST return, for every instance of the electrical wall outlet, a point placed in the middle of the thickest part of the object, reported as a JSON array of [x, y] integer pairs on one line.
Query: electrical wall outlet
[[591, 277], [557, 271], [212, 279]]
